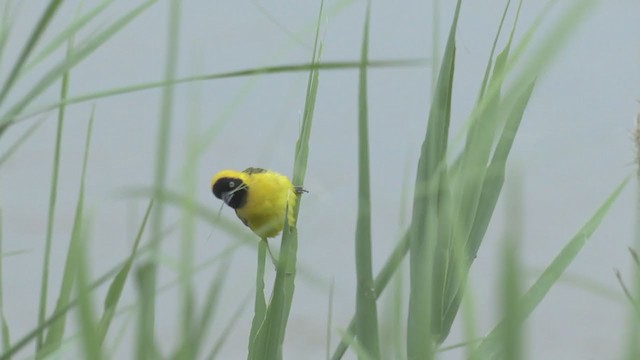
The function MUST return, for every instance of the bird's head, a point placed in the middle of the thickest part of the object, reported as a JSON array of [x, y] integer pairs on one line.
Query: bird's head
[[229, 186]]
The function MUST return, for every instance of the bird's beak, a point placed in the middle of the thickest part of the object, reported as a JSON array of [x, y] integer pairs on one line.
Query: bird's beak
[[227, 196]]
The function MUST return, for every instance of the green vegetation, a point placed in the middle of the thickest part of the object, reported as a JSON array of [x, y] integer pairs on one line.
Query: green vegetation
[[459, 180]]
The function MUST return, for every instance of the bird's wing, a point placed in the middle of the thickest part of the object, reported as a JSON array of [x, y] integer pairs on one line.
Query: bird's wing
[[253, 170], [244, 221]]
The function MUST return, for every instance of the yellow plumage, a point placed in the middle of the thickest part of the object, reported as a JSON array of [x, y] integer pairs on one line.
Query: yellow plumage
[[260, 198]]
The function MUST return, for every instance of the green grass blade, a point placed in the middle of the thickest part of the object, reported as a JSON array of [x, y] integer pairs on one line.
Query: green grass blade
[[53, 194], [329, 320], [381, 282], [204, 212], [633, 332], [31, 335], [481, 136], [435, 42], [490, 347], [40, 28], [424, 225], [469, 323], [145, 342], [228, 329], [534, 63], [392, 320], [162, 155], [479, 141], [366, 308], [491, 188], [59, 313], [89, 335], [494, 179], [117, 285], [65, 35], [271, 335], [190, 176], [79, 54], [511, 273], [21, 141], [6, 334], [355, 345], [260, 304], [278, 69], [56, 332], [5, 28], [487, 71], [14, 253], [469, 185], [209, 309]]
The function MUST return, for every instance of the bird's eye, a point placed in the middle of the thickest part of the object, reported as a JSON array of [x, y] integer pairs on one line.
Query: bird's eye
[[232, 184]]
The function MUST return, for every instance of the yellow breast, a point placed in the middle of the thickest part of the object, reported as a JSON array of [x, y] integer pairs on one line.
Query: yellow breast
[[270, 195]]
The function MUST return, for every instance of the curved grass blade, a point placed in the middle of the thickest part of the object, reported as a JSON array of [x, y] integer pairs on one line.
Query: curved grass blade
[[65, 35], [41, 26], [490, 191], [21, 140], [79, 54], [490, 347], [117, 285], [278, 69], [58, 314], [469, 183], [56, 332]]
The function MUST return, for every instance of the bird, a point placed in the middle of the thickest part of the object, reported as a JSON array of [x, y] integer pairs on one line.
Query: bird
[[261, 198]]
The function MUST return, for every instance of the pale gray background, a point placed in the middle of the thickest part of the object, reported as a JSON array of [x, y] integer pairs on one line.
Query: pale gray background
[[573, 148]]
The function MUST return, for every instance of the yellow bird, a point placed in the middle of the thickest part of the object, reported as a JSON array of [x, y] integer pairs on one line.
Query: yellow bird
[[260, 198]]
